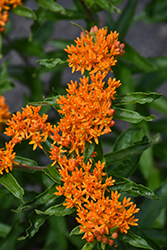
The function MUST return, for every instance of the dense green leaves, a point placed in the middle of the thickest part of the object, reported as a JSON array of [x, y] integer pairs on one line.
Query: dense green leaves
[[8, 181]]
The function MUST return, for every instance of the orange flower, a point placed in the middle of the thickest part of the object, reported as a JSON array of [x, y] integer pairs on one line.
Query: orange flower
[[87, 110], [4, 111], [7, 157], [95, 51], [29, 125]]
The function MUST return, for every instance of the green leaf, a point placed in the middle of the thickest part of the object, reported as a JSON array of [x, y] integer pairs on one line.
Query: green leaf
[[24, 162], [48, 101], [136, 97], [127, 153], [131, 116], [52, 172], [8, 181], [126, 185], [150, 209], [99, 152], [36, 221], [10, 241], [134, 240], [126, 138], [76, 231], [57, 210], [25, 12], [89, 246], [50, 63], [158, 235], [107, 5], [88, 151], [4, 230], [47, 196], [125, 19], [51, 5], [131, 55]]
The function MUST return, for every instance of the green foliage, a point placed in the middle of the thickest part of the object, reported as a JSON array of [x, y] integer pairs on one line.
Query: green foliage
[[135, 157]]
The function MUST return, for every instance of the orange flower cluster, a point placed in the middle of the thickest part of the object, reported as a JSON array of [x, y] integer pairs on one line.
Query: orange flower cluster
[[4, 111], [29, 125], [95, 51], [84, 187], [5, 6], [7, 157]]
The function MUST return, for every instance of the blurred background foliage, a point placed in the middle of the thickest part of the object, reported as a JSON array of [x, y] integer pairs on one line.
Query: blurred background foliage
[[47, 78]]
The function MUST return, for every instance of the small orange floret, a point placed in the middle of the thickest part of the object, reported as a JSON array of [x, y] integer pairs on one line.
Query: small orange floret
[[29, 125], [4, 112], [95, 51]]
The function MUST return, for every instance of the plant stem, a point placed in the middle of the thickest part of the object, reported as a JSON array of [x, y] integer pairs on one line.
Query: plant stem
[[88, 11]]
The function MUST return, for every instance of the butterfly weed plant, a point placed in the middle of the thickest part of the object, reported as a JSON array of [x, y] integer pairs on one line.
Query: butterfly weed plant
[[89, 197]]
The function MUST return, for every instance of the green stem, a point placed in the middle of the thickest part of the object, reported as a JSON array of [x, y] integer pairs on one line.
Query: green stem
[[88, 11]]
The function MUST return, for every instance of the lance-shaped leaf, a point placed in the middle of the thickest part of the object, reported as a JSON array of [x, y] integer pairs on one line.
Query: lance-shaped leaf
[[88, 151], [131, 116], [107, 5], [125, 19], [127, 153], [25, 12], [136, 97], [150, 209], [24, 163], [126, 185], [126, 139], [52, 172], [89, 245], [52, 62], [134, 240], [141, 62], [8, 181], [57, 210], [76, 231], [36, 221], [51, 5], [47, 195]]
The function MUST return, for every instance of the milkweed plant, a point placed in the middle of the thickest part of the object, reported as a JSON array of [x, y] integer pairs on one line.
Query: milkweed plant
[[95, 190]]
